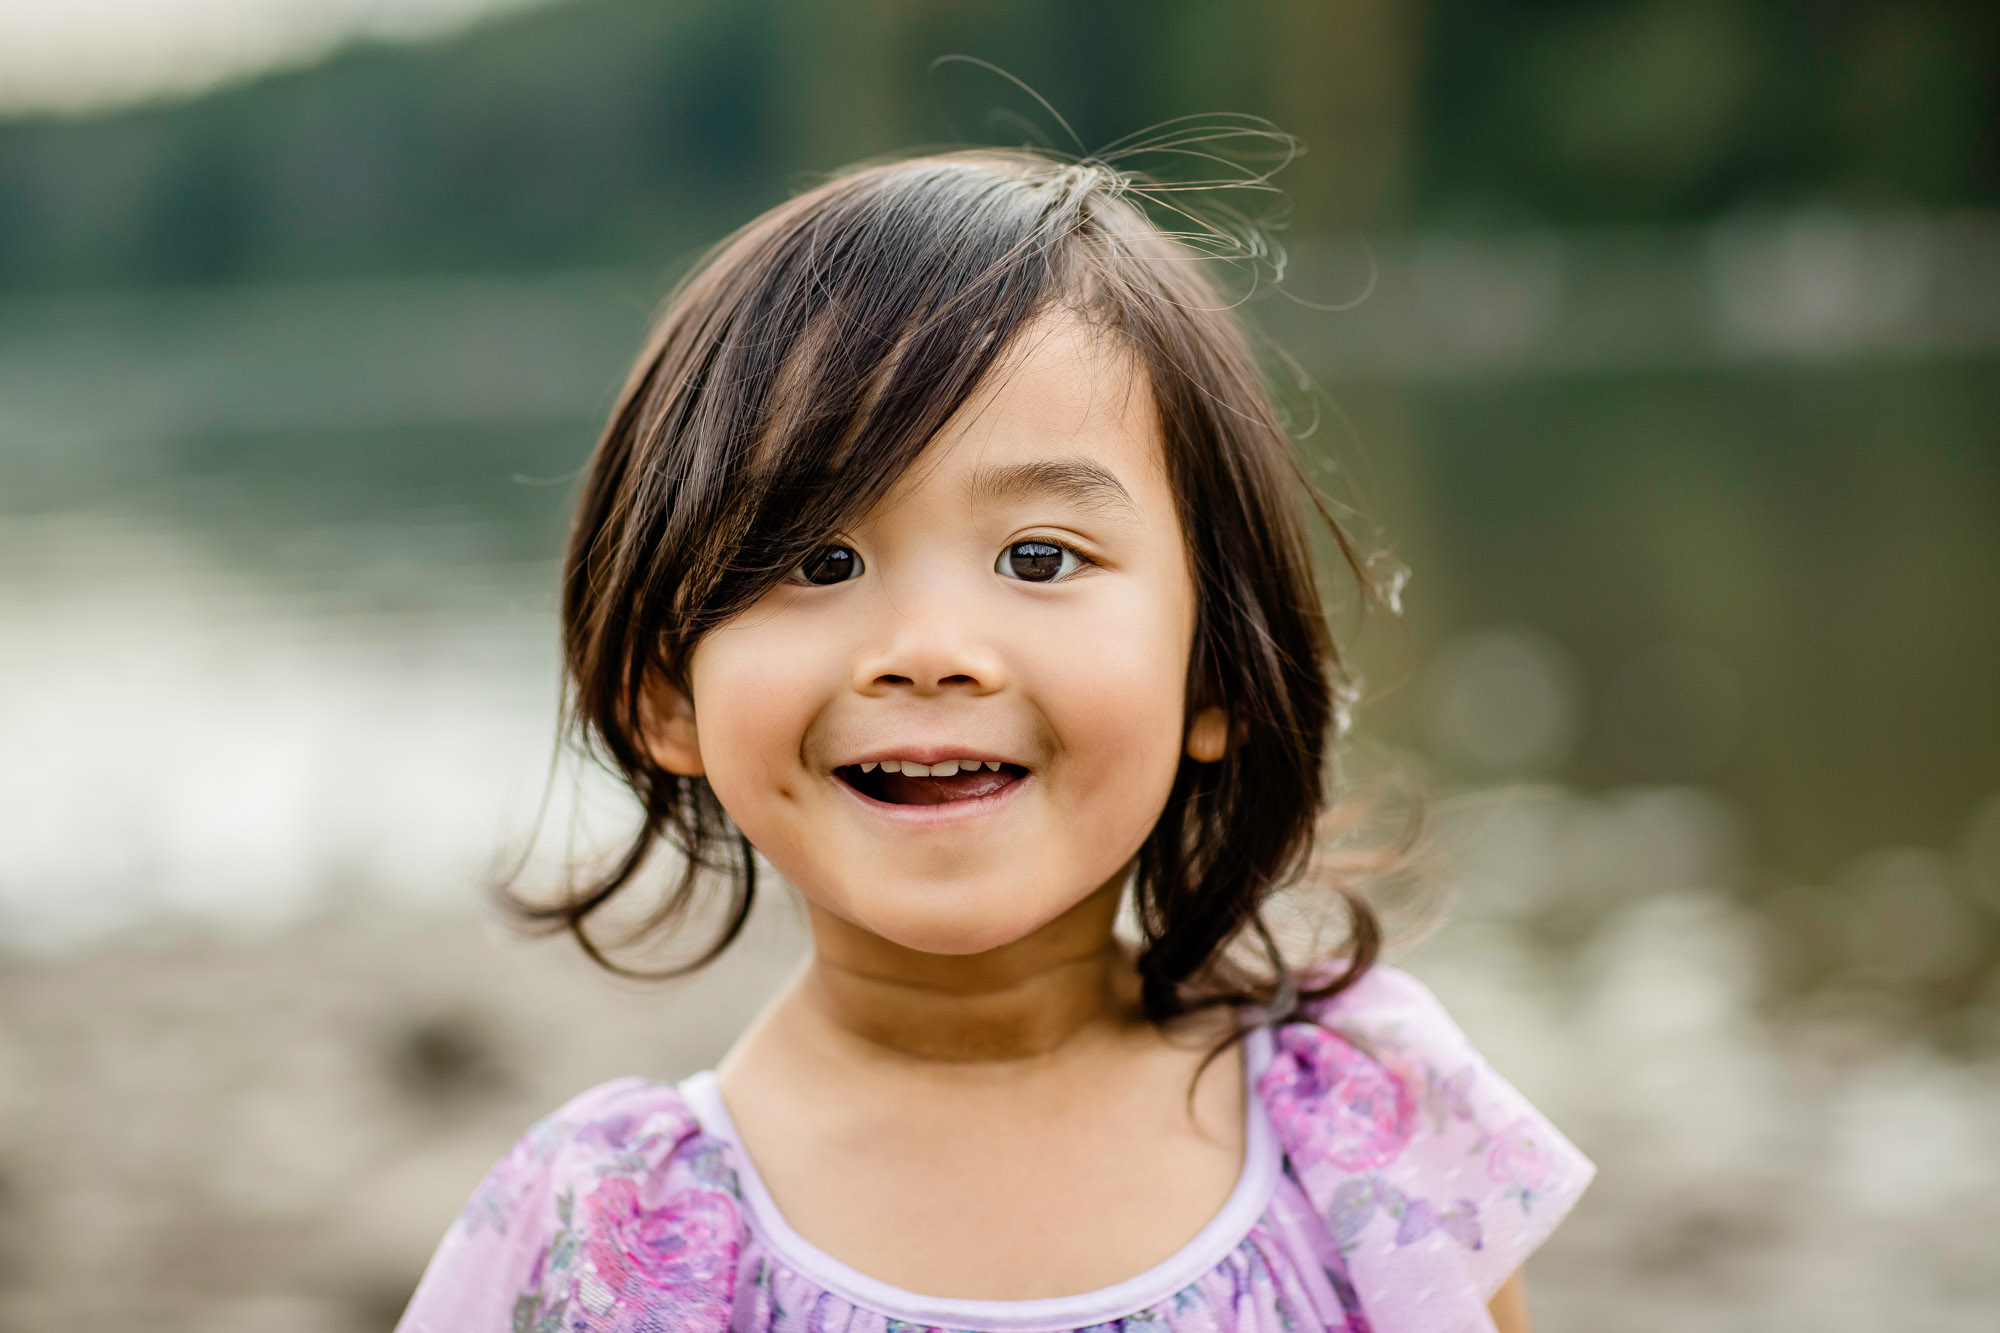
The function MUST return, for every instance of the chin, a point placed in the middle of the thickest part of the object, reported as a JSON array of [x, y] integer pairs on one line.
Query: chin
[[952, 924]]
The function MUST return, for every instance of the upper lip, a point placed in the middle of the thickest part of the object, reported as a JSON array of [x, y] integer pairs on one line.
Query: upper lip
[[929, 754]]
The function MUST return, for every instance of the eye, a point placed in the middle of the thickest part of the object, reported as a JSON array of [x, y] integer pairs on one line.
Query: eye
[[1037, 562], [829, 565]]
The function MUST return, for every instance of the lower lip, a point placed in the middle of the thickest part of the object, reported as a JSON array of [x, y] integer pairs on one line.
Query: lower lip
[[933, 816]]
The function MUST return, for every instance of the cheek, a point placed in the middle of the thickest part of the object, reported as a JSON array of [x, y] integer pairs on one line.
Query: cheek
[[1116, 698], [753, 700]]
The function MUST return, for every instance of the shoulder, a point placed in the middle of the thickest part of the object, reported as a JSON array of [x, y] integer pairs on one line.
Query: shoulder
[[1388, 1012], [629, 1127], [614, 1207], [1402, 1134]]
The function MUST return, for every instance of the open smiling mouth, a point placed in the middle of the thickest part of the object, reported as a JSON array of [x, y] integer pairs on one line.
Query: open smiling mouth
[[898, 782]]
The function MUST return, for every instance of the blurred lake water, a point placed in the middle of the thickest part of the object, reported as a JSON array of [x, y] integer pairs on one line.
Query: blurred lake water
[[278, 589], [1699, 664]]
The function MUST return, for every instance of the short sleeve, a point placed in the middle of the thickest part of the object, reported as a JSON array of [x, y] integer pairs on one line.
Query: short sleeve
[[557, 1234], [1436, 1177]]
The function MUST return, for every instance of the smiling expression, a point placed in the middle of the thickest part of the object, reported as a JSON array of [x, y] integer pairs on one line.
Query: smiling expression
[[964, 714]]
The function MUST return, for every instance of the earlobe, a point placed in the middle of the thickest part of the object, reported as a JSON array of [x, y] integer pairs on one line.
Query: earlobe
[[667, 729], [1208, 736]]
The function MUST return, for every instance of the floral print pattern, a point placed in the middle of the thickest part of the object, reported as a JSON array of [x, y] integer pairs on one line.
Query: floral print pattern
[[686, 1245], [1331, 1102], [1413, 1181], [1518, 1157]]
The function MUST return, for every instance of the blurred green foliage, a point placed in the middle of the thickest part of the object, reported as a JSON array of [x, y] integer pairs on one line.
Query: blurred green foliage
[[1553, 110], [620, 131]]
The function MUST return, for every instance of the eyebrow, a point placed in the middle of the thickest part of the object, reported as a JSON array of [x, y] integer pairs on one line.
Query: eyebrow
[[1074, 479]]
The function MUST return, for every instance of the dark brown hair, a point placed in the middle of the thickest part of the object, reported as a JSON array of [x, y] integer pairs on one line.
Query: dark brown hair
[[795, 375]]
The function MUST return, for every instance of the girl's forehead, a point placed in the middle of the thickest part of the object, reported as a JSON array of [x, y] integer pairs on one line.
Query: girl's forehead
[[1068, 410]]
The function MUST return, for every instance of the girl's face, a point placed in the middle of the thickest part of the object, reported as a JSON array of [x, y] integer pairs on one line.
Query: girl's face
[[1009, 628]]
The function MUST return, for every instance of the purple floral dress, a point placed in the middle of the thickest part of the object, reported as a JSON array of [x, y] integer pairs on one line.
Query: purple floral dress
[[1391, 1183]]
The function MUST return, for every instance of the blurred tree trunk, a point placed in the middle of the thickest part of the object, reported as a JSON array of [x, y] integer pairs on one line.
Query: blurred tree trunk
[[847, 77], [1344, 78]]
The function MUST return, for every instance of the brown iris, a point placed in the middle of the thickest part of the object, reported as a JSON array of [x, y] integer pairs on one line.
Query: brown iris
[[1037, 562]]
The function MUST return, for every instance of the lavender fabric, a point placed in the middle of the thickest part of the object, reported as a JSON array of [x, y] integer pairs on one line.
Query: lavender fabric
[[1390, 1184]]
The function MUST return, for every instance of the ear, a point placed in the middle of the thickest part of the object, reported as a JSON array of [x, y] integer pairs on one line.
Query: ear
[[1208, 736], [667, 730]]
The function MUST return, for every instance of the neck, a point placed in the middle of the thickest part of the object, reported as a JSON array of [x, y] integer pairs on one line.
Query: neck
[[1021, 1001]]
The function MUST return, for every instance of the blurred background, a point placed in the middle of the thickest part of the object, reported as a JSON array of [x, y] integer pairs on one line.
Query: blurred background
[[1676, 390]]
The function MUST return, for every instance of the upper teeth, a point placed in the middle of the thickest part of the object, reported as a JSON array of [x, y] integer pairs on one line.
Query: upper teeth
[[943, 768]]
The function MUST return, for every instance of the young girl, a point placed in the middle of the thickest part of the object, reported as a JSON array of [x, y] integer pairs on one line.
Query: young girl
[[944, 551]]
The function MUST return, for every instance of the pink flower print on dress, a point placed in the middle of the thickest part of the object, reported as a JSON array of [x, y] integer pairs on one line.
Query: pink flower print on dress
[[1335, 1103], [1517, 1158], [680, 1256]]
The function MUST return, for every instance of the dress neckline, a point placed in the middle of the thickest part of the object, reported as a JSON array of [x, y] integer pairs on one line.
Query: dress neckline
[[1223, 1233]]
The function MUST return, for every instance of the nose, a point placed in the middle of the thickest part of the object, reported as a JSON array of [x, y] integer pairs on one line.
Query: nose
[[932, 646]]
